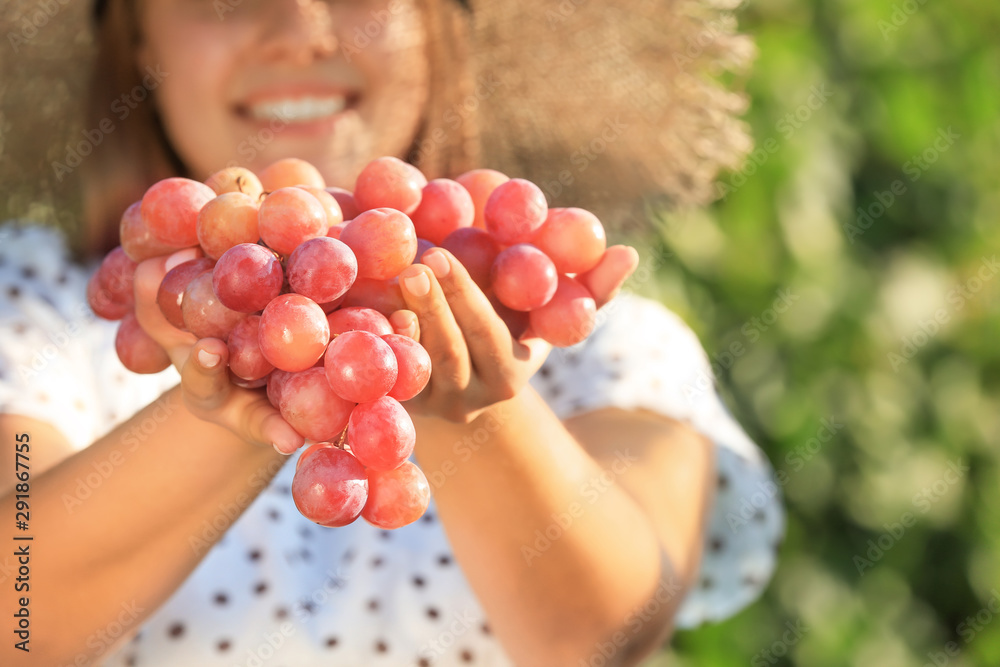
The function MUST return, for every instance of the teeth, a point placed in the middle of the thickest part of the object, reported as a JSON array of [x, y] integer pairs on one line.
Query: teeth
[[298, 110]]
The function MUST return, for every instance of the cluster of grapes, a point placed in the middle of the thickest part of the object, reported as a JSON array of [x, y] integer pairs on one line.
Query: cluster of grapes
[[298, 279]]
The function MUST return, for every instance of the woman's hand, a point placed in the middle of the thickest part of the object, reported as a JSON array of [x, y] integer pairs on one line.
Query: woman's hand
[[475, 360]]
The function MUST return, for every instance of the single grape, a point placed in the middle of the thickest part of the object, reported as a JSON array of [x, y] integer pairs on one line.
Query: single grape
[[568, 318], [276, 385], [290, 216], [288, 173], [170, 296], [476, 250], [311, 407], [334, 216], [322, 269], [423, 245], [137, 350], [170, 210], [236, 179], [523, 277], [388, 182], [348, 207], [515, 211], [396, 497], [137, 241], [381, 434], [444, 207], [204, 314], [336, 230], [100, 300], [358, 319], [226, 221], [312, 449], [384, 242], [247, 277], [385, 296], [110, 290], [360, 366], [573, 239], [245, 358], [481, 183], [293, 332], [330, 487], [247, 384], [414, 366]]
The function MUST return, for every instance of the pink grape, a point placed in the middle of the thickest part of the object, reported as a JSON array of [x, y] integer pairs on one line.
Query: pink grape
[[523, 277], [226, 221], [100, 300], [311, 407], [137, 350], [290, 216], [170, 296], [385, 296], [336, 230], [137, 241], [293, 332], [247, 277], [573, 239], [381, 434], [236, 179], [330, 306], [384, 242], [204, 314], [358, 319], [322, 269], [396, 497], [170, 210], [312, 449], [289, 172], [476, 250], [360, 366], [423, 245], [247, 384], [276, 385], [414, 366], [515, 211], [388, 182], [245, 358], [481, 183], [330, 487], [568, 318], [345, 198], [334, 216], [444, 207], [516, 320]]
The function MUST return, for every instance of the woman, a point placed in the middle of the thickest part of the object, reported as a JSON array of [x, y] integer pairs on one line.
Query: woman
[[569, 513]]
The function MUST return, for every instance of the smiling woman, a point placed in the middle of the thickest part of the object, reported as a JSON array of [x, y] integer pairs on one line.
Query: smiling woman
[[586, 501]]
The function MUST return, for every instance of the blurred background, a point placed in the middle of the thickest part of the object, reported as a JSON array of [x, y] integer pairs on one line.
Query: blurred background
[[848, 291], [846, 287]]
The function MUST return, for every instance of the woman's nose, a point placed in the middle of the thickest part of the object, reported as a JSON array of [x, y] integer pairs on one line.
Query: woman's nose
[[299, 31]]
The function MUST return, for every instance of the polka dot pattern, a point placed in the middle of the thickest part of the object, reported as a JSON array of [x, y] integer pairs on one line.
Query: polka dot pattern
[[288, 592]]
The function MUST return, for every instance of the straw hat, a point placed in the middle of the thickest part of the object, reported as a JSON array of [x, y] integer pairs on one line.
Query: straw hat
[[600, 103]]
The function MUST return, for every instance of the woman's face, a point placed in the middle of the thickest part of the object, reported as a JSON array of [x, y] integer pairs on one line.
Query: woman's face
[[334, 82]]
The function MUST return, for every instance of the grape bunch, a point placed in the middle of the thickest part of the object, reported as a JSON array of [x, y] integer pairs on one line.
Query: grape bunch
[[298, 279]]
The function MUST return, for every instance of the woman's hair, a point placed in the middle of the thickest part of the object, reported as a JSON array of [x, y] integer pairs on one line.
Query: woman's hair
[[138, 153]]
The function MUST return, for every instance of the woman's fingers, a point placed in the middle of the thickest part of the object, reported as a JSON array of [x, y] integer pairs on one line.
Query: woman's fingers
[[606, 279], [405, 323], [148, 276], [439, 332], [205, 378]]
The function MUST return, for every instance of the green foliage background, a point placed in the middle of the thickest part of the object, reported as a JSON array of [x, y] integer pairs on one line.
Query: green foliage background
[[859, 345]]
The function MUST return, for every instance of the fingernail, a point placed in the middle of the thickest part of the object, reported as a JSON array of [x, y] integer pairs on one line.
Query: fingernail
[[418, 285], [180, 257], [437, 262], [207, 359]]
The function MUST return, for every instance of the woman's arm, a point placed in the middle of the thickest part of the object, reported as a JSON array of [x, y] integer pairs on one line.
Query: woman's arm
[[565, 532]]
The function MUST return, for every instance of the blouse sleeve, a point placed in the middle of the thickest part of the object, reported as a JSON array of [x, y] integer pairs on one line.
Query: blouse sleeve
[[642, 355], [57, 359]]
